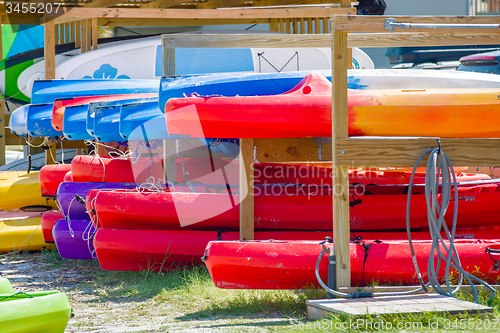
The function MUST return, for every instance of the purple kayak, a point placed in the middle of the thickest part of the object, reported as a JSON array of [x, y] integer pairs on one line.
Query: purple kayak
[[70, 204], [75, 240]]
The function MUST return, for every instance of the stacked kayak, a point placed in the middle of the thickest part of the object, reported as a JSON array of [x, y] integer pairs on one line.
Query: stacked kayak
[[305, 111], [21, 231], [291, 264], [286, 207], [47, 224], [74, 231], [51, 176], [21, 190], [34, 311], [162, 250]]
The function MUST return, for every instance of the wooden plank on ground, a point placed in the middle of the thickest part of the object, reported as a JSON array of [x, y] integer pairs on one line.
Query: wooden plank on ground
[[319, 309]]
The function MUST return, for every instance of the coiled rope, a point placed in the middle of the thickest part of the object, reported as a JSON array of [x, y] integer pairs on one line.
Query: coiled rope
[[438, 165]]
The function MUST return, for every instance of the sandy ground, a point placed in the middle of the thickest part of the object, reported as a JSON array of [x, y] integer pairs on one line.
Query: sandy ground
[[29, 272]]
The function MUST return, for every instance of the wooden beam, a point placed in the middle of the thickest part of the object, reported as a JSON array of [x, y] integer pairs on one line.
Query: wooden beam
[[292, 150], [317, 26], [162, 4], [375, 23], [22, 19], [226, 13], [111, 22], [391, 152], [341, 227], [324, 40], [102, 3], [247, 40], [67, 28], [246, 190], [219, 4]]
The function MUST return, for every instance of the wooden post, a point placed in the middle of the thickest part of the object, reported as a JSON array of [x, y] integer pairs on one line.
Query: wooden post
[[341, 228], [78, 35], [246, 190], [51, 154], [88, 35], [295, 26], [325, 25], [317, 25], [50, 73], [67, 32], [273, 25], [84, 36], [2, 111], [169, 149], [94, 34], [302, 26], [310, 26], [287, 25]]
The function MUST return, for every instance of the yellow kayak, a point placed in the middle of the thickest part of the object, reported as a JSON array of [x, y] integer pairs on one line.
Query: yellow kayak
[[22, 192], [21, 234]]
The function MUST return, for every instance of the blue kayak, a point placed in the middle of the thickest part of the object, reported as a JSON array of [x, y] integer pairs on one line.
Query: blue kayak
[[39, 121], [46, 91], [231, 84], [17, 122], [142, 121], [74, 122], [107, 118]]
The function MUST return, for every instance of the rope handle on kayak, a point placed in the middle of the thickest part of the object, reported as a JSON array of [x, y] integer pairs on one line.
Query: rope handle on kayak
[[491, 251], [20, 293]]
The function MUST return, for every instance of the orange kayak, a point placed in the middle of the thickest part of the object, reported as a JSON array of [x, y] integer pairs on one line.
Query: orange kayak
[[305, 111]]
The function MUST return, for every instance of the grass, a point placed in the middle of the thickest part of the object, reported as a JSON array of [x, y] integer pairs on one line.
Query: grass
[[186, 298]]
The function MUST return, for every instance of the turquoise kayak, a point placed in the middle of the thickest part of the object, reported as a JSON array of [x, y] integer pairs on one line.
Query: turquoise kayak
[[34, 312]]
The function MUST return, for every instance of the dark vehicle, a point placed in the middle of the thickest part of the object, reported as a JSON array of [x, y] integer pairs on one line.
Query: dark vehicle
[[419, 55], [482, 62]]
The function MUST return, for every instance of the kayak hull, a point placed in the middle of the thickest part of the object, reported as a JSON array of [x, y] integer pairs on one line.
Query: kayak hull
[[74, 239], [305, 111], [291, 265], [284, 208], [34, 311], [48, 220], [51, 176]]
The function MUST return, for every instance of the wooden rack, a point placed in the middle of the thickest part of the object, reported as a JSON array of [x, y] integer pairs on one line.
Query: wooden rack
[[348, 152]]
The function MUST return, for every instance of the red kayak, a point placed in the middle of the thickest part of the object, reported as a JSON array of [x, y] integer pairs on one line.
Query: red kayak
[[61, 104], [90, 168], [51, 176], [291, 264], [137, 250], [306, 111], [286, 208], [48, 220]]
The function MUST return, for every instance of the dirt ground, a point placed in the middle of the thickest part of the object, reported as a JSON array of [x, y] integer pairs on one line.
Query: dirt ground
[[30, 272]]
